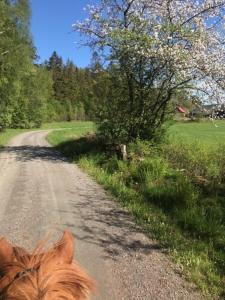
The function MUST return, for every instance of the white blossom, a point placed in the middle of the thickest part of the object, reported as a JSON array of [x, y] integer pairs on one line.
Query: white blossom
[[184, 39]]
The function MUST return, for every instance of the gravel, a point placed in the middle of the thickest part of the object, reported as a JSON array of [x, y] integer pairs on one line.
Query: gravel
[[42, 192]]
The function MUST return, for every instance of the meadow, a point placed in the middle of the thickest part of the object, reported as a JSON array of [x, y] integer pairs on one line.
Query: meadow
[[208, 133]]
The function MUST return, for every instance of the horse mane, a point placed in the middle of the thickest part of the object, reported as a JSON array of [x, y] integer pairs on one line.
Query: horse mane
[[44, 274]]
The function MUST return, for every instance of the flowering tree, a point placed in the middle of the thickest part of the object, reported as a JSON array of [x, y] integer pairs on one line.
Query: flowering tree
[[155, 49]]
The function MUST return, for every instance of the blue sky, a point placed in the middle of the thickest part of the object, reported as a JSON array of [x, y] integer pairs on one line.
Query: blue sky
[[51, 27]]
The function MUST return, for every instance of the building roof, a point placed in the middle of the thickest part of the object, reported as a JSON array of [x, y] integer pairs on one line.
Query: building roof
[[181, 109]]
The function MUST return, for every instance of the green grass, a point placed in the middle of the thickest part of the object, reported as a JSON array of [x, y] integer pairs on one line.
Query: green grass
[[175, 192], [69, 130], [8, 134], [196, 257], [208, 133], [80, 127], [68, 125]]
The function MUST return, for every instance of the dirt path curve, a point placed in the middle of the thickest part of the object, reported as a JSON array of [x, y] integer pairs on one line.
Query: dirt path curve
[[39, 191]]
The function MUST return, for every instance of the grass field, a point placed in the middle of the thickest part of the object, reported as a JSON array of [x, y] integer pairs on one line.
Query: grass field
[[68, 125], [176, 193], [206, 133]]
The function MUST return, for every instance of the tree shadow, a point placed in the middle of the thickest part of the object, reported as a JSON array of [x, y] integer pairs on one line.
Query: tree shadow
[[104, 224], [99, 220], [32, 153], [75, 148]]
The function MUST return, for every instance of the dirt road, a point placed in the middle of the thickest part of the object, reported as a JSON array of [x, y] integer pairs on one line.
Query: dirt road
[[40, 191]]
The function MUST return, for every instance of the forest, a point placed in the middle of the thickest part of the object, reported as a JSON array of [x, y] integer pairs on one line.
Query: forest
[[32, 93]]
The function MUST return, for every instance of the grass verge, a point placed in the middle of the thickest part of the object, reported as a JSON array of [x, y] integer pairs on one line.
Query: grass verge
[[175, 194], [80, 127], [69, 125], [8, 134]]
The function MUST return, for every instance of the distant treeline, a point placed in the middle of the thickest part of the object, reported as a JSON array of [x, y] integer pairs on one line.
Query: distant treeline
[[74, 90], [31, 94]]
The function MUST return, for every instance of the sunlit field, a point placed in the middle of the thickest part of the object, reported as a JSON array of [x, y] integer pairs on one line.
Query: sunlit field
[[68, 125], [206, 132]]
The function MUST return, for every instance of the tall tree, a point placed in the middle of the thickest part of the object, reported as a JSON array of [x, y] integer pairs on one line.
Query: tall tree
[[16, 55], [155, 48], [55, 64], [69, 85], [21, 102]]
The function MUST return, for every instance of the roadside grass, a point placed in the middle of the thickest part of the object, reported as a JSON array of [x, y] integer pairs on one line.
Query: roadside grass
[[174, 191], [73, 125], [81, 127], [57, 136], [196, 256], [8, 134]]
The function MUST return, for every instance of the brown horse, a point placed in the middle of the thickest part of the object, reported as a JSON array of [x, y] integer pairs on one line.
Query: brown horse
[[44, 274]]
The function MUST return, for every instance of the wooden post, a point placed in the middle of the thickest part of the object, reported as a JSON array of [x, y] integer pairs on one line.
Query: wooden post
[[124, 151]]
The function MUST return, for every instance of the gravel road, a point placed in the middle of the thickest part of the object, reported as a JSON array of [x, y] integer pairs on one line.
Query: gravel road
[[41, 191]]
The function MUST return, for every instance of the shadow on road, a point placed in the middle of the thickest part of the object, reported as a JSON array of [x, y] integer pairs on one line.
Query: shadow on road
[[103, 224], [98, 220], [31, 153]]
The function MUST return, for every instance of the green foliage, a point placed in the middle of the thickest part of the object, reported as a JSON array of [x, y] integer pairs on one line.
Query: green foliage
[[76, 91], [31, 94], [24, 88], [126, 110]]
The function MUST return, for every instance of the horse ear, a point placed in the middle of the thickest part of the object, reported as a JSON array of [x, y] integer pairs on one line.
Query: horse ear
[[6, 251], [65, 248]]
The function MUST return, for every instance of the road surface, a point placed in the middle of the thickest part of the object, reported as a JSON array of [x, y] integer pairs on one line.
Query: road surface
[[41, 191]]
